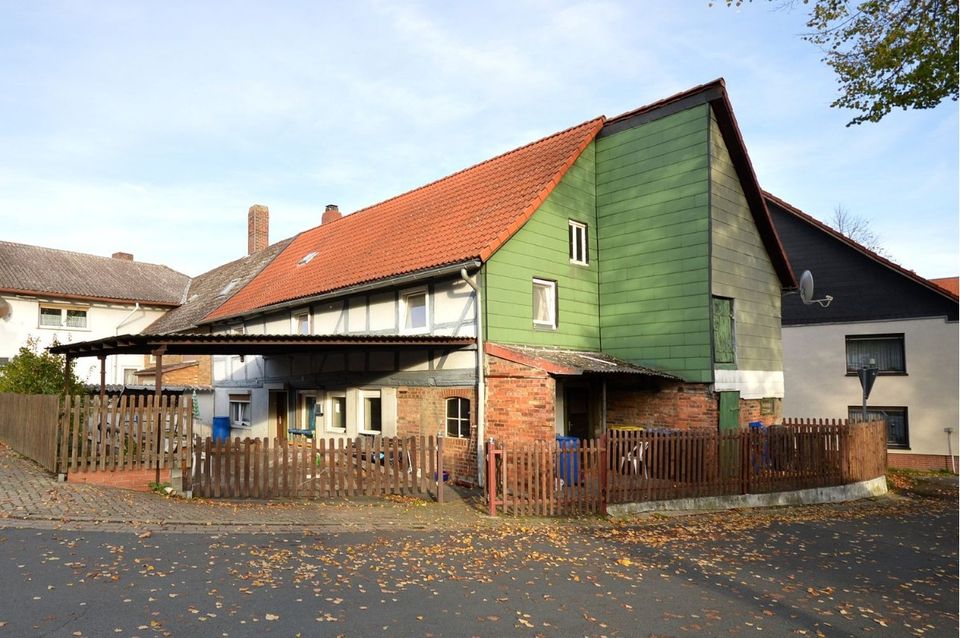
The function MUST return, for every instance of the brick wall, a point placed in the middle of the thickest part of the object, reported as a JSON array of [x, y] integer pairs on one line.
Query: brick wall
[[674, 405], [520, 402], [423, 411], [921, 461], [138, 480], [767, 410]]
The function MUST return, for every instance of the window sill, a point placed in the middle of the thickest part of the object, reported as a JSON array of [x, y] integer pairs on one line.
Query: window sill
[[370, 432], [580, 263], [544, 327], [881, 374], [336, 430], [71, 329]]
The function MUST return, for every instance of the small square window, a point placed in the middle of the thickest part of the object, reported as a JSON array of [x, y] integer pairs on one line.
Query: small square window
[[544, 303], [239, 413], [579, 252], [413, 306]]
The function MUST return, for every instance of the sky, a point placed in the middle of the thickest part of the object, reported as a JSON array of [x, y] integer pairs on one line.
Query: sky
[[150, 128]]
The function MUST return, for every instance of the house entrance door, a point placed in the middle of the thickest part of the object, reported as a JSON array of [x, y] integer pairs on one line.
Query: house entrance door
[[278, 414], [576, 405]]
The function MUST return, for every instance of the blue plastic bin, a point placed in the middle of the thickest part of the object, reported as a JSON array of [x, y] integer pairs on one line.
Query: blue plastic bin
[[221, 428], [569, 466]]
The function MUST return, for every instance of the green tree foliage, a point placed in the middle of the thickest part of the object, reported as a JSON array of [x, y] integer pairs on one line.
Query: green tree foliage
[[35, 371], [887, 54]]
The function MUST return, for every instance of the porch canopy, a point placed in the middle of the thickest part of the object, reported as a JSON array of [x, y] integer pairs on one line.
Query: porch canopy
[[239, 344], [574, 363]]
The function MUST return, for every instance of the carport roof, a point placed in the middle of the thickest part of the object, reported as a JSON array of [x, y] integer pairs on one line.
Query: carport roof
[[572, 362], [244, 344]]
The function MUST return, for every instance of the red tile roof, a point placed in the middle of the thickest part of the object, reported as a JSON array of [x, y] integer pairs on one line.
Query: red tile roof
[[465, 216], [948, 283]]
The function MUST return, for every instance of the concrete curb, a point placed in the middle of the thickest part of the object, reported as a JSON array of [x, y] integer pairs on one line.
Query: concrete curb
[[835, 494]]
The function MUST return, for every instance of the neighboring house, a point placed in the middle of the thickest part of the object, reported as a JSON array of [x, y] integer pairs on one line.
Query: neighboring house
[[53, 294], [881, 312], [623, 271]]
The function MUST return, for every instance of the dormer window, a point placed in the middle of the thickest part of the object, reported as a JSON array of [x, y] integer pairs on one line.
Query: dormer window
[[579, 253], [306, 258]]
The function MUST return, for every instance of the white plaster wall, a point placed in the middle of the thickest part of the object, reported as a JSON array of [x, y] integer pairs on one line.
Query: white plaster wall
[[103, 320], [816, 383], [752, 384]]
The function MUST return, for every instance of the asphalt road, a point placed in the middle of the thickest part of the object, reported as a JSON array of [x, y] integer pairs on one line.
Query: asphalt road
[[886, 567]]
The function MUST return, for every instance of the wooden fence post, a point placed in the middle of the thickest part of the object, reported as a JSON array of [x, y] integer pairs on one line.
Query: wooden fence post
[[440, 467], [603, 473], [491, 478]]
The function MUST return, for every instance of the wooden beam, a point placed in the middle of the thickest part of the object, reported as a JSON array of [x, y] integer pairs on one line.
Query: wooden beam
[[103, 377]]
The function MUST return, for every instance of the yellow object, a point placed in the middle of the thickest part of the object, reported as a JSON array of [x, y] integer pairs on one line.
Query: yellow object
[[627, 428]]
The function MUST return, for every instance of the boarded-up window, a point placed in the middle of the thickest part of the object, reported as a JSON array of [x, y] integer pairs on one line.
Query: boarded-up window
[[724, 344]]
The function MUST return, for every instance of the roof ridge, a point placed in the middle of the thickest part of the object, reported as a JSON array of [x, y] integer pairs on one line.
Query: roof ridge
[[836, 234], [91, 255]]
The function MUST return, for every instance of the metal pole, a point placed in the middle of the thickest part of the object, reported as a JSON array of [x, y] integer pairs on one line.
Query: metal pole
[[157, 388], [491, 478], [440, 467]]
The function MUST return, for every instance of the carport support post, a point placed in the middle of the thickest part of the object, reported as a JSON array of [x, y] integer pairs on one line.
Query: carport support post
[[103, 377], [157, 391]]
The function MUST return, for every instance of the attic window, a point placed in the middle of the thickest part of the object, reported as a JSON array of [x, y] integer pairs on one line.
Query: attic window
[[306, 258]]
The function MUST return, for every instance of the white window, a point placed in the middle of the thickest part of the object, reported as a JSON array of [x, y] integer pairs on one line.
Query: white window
[[579, 253], [301, 323], [458, 417], [239, 411], [413, 309], [309, 412], [371, 421], [544, 303], [336, 411], [53, 317], [129, 376]]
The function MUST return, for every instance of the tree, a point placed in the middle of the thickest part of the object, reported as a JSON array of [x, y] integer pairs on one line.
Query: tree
[[35, 371], [857, 228], [887, 53]]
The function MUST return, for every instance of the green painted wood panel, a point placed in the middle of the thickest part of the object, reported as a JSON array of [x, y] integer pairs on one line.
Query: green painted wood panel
[[741, 267], [541, 249], [653, 193]]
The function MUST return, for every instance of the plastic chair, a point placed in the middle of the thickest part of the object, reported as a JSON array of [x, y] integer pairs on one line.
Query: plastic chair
[[636, 458]]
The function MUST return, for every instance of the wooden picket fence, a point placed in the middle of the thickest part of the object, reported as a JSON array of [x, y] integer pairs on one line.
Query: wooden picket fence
[[28, 424], [582, 477], [125, 433], [316, 468]]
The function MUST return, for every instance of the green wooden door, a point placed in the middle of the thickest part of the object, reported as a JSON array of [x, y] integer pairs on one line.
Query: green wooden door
[[729, 424], [729, 411]]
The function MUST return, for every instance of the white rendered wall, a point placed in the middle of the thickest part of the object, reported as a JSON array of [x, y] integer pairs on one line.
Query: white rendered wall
[[816, 383]]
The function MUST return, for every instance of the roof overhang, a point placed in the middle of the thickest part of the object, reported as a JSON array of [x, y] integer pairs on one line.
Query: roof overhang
[[573, 362], [237, 344]]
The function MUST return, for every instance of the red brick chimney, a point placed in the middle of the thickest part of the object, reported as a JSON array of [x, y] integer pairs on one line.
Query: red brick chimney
[[258, 228], [332, 213], [123, 256]]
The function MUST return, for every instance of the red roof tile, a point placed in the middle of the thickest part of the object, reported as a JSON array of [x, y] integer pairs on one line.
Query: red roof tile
[[948, 283], [467, 215]]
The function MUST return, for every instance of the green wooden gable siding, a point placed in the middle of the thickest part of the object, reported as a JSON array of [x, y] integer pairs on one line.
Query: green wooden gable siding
[[541, 249], [654, 221], [742, 270]]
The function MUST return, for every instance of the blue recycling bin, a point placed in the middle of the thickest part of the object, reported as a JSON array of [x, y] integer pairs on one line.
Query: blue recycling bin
[[221, 429], [761, 457], [569, 466]]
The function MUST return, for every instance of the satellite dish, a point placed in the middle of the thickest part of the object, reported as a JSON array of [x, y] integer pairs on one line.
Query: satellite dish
[[806, 291]]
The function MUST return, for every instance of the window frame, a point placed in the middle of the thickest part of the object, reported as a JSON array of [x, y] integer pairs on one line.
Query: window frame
[[63, 314], [578, 236], [552, 303], [237, 401], [295, 319], [330, 411], [303, 425], [890, 336], [404, 307], [363, 396], [460, 420], [732, 362], [854, 413]]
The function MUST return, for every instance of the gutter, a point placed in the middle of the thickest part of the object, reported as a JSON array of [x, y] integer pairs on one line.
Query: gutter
[[481, 382], [397, 280]]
